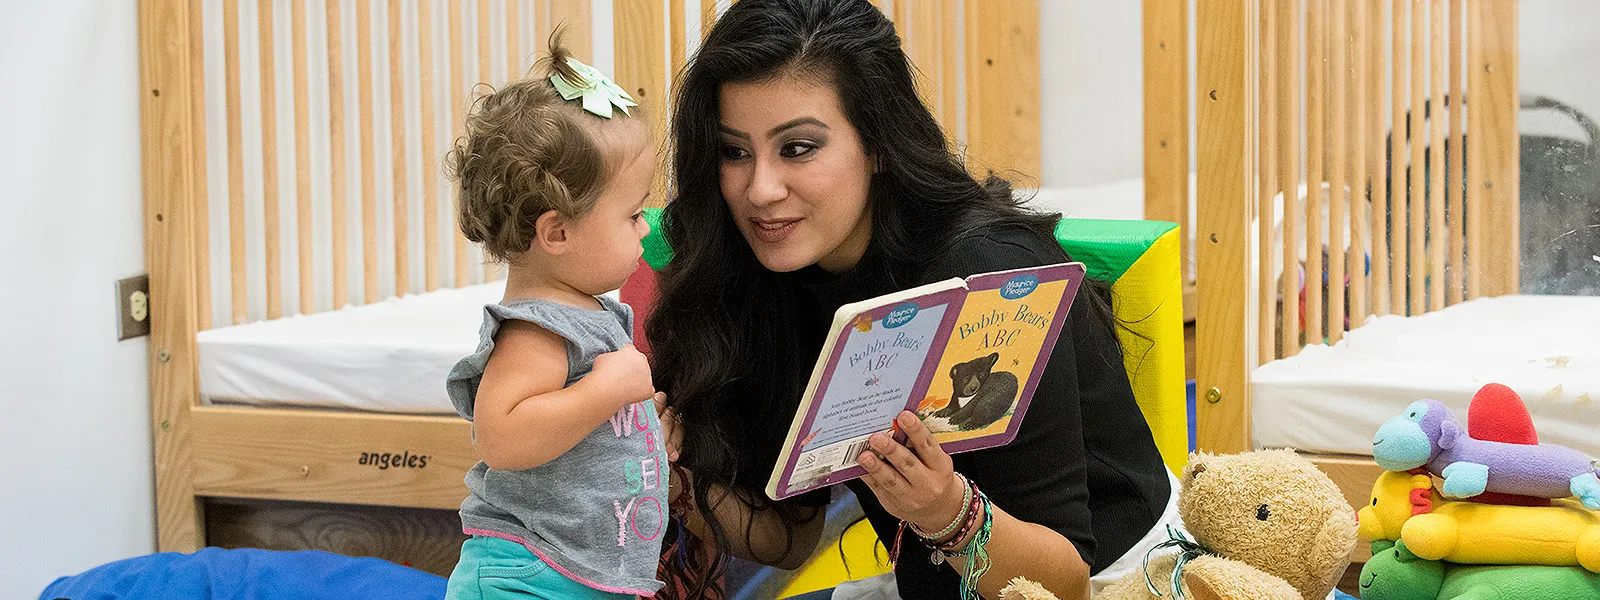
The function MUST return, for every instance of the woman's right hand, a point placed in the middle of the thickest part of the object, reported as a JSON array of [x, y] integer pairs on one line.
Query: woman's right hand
[[622, 376]]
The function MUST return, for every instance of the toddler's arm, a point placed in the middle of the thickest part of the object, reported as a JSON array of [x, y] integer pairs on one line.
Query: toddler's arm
[[523, 415]]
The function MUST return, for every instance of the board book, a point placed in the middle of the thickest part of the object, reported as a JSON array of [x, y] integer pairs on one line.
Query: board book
[[964, 354]]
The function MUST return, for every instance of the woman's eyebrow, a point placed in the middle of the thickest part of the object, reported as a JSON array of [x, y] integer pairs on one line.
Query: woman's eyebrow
[[775, 130]]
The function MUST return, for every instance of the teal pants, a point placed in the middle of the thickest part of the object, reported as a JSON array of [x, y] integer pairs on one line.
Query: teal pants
[[495, 569]]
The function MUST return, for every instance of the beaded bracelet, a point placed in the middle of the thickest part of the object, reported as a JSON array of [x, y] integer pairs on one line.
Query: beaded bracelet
[[977, 552], [966, 505]]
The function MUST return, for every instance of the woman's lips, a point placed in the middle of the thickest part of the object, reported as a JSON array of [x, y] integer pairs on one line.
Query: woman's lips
[[773, 231]]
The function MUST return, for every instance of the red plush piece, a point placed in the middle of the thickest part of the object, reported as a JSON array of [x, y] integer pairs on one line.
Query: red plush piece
[[1497, 414], [639, 291]]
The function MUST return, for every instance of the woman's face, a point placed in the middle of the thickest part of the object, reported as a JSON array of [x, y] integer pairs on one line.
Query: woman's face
[[794, 174]]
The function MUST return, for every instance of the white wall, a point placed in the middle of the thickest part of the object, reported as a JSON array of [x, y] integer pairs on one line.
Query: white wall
[[75, 478], [1560, 46], [1091, 91]]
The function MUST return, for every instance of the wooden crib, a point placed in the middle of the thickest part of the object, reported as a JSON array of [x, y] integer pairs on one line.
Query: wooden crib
[[1269, 127], [240, 230]]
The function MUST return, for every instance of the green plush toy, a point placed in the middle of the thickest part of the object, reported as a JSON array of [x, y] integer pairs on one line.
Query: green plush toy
[[1394, 573]]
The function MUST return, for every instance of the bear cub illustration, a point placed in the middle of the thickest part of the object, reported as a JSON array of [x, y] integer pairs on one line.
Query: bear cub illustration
[[980, 395]]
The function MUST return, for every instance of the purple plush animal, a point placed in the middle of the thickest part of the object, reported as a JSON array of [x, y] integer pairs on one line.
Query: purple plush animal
[[1428, 434]]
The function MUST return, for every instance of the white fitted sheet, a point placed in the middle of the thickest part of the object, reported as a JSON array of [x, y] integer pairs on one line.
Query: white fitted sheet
[[1333, 399], [390, 356]]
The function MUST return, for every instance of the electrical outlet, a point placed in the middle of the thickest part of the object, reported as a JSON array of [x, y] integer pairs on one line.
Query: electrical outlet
[[133, 307]]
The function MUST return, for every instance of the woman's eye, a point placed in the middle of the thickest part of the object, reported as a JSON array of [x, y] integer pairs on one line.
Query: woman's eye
[[797, 149], [731, 152], [638, 215]]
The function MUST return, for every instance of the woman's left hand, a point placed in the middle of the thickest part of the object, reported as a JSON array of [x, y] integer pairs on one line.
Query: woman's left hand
[[916, 481]]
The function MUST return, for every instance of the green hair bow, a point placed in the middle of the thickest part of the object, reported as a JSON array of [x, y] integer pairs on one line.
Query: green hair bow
[[598, 91]]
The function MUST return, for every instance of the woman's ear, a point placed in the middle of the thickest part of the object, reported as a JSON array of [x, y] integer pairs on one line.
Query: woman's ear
[[550, 232]]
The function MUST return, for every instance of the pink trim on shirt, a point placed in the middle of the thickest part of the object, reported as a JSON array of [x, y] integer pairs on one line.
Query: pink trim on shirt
[[553, 565]]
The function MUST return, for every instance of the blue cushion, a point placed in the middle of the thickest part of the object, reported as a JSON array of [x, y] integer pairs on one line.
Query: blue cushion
[[218, 574]]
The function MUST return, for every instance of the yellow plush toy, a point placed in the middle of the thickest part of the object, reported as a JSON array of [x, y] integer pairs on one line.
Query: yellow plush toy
[[1560, 535], [1267, 525]]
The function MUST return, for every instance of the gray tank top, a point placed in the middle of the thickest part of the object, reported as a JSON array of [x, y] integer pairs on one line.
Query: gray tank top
[[597, 512]]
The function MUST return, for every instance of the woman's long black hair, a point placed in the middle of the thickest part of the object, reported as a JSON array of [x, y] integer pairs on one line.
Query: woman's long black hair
[[733, 343]]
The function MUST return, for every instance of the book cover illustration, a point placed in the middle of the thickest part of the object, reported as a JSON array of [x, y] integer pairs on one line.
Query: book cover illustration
[[1006, 329], [965, 355]]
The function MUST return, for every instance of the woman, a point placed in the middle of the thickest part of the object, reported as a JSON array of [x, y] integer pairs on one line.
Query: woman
[[810, 175]]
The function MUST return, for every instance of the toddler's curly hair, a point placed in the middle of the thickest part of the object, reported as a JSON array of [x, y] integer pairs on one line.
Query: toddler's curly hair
[[528, 151]]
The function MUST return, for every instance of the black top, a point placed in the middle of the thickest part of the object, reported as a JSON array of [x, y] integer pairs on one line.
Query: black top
[[1083, 463]]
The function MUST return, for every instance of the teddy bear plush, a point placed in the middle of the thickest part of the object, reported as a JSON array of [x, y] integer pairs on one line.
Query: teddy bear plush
[[1272, 526]]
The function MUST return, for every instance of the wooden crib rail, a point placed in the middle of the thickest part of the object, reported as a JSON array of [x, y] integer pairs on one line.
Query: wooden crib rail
[[1380, 211]]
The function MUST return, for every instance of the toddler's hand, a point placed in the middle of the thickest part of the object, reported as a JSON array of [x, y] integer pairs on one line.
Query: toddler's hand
[[623, 376]]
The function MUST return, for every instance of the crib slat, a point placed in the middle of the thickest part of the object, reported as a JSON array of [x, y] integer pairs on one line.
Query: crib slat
[[302, 158], [1399, 134], [1474, 192], [1338, 166], [638, 28], [1453, 147], [679, 38], [708, 17], [1436, 136], [513, 42], [1002, 44], [197, 132], [458, 117], [1360, 44], [575, 16], [1316, 137], [369, 166], [1267, 152], [397, 145], [485, 77], [1379, 186], [336, 157], [1288, 67], [269, 162], [430, 152], [949, 63], [1417, 200], [1166, 118]]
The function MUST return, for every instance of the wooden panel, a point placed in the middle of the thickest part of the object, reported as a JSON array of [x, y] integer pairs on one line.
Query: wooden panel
[[948, 111], [237, 274], [172, 188], [1398, 132], [1338, 164], [269, 162], [427, 539], [1166, 117], [1436, 136], [1416, 200], [1316, 162], [708, 17], [639, 69], [1003, 87], [1288, 129], [922, 33], [1376, 158], [677, 29], [397, 143], [514, 56], [458, 117], [431, 158], [318, 456], [1494, 95], [1452, 183], [1225, 323], [197, 158], [302, 157], [369, 165], [1267, 160], [336, 157]]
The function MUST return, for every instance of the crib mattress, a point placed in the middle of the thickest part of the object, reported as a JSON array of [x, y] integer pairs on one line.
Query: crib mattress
[[390, 356], [1333, 399]]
